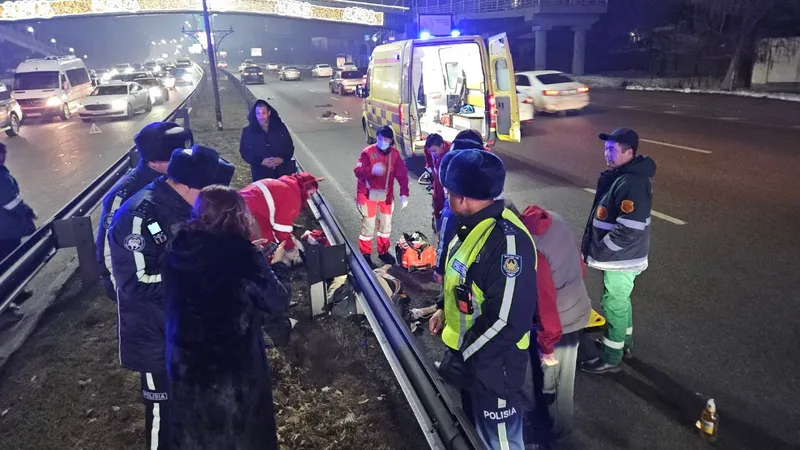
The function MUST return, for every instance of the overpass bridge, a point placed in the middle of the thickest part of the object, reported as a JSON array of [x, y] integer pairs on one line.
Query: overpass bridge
[[19, 37]]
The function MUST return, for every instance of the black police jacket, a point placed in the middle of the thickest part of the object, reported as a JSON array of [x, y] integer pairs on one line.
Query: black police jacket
[[138, 238], [16, 217], [129, 185]]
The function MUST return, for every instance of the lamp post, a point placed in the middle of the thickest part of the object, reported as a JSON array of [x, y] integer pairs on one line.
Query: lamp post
[[71, 50], [212, 61]]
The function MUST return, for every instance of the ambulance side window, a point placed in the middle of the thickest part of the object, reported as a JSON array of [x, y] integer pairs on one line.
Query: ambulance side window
[[502, 78], [369, 79]]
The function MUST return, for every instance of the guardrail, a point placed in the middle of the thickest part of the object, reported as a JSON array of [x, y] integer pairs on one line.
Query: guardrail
[[442, 421], [71, 227]]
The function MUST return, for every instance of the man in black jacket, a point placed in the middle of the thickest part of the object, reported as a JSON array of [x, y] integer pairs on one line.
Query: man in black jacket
[[266, 144], [155, 144], [138, 237], [617, 240]]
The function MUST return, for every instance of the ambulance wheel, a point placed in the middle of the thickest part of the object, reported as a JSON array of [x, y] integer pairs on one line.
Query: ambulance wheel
[[367, 137], [341, 90], [65, 112]]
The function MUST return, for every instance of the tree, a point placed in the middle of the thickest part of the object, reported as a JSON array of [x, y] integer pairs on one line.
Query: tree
[[739, 23]]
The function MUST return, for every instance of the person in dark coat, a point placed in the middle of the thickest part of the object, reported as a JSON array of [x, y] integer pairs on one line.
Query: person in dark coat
[[266, 144], [218, 286]]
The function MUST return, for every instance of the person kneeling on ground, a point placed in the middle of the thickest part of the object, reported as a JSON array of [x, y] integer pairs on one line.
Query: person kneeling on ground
[[215, 281]]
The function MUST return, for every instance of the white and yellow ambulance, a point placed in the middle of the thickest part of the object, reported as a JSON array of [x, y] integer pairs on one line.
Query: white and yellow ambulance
[[441, 85]]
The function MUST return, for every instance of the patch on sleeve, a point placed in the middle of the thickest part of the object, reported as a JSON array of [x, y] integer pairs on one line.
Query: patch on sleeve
[[459, 267], [511, 265], [602, 212], [134, 242], [626, 206], [108, 220]]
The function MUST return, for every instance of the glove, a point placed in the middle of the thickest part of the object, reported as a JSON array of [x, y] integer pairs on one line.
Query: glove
[[403, 201], [378, 169]]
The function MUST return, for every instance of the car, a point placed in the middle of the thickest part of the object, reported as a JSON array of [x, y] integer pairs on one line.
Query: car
[[349, 66], [122, 68], [103, 75], [152, 66], [553, 91], [222, 64], [289, 73], [246, 63], [159, 93], [253, 74], [184, 76], [10, 112], [526, 109], [273, 67], [119, 99], [167, 77], [322, 71], [345, 82], [133, 76], [362, 87]]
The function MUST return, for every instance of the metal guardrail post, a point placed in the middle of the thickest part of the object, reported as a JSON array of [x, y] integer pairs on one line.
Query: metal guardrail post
[[78, 232], [322, 264]]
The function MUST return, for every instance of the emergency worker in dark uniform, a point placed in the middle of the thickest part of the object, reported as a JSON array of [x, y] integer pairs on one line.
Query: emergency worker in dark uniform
[[155, 144], [488, 298], [138, 237]]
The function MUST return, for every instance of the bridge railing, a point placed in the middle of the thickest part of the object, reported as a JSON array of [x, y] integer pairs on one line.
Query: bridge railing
[[71, 227]]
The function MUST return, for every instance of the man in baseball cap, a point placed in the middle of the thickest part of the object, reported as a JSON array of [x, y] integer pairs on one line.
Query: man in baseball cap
[[154, 144]]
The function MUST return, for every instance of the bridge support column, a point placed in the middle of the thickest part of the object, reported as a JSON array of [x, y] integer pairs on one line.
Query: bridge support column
[[578, 50], [540, 55]]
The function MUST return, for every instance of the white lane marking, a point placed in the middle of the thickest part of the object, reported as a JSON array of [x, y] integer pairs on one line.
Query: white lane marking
[[61, 127], [660, 215], [335, 98], [796, 127], [672, 112], [626, 107], [310, 90], [682, 147], [730, 118]]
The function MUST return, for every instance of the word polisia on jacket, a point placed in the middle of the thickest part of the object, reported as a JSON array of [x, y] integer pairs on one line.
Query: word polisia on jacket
[[257, 143], [276, 203], [220, 292]]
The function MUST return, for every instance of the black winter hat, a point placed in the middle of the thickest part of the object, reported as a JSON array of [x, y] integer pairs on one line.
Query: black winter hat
[[195, 167], [157, 140], [473, 173]]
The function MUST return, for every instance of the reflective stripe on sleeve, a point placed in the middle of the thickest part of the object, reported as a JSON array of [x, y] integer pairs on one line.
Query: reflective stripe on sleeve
[[271, 205], [13, 203], [636, 225], [505, 306], [138, 257], [106, 246], [610, 244], [602, 225]]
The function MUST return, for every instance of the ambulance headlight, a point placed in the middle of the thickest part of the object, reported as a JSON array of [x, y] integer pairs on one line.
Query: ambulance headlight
[[53, 101]]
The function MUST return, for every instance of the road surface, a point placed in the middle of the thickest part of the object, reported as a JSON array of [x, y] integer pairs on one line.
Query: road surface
[[716, 314], [53, 162]]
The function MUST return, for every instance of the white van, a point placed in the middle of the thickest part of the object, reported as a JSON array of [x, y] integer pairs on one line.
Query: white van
[[52, 86], [441, 85]]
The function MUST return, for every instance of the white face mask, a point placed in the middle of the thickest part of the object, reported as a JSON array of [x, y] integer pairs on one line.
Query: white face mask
[[383, 145]]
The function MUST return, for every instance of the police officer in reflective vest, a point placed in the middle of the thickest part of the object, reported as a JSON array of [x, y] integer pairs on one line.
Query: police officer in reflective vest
[[155, 144], [138, 237], [488, 299]]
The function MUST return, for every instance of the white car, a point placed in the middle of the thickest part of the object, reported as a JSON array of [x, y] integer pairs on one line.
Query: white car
[[120, 99], [553, 91], [345, 82], [349, 66], [322, 71], [526, 109], [289, 73], [246, 63], [273, 67]]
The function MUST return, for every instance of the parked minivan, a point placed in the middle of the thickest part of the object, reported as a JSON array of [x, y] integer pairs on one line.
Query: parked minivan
[[51, 86], [441, 85]]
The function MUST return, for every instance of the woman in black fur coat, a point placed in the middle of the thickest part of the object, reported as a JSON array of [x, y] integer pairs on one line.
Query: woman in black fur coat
[[220, 290]]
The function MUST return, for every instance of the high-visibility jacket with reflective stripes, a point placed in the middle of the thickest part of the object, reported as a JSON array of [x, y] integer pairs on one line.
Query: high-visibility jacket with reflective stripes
[[617, 234], [130, 184], [495, 255], [138, 237], [275, 205], [16, 217]]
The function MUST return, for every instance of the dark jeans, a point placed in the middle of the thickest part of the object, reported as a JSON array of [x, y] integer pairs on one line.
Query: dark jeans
[[554, 389]]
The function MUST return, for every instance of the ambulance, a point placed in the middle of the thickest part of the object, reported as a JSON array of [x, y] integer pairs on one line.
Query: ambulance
[[51, 86], [441, 85]]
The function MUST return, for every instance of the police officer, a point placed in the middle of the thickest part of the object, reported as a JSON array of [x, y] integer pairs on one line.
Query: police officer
[[138, 236], [488, 298], [155, 144]]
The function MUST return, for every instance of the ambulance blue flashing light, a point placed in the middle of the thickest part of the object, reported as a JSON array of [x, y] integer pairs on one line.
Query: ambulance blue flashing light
[[424, 34], [455, 33]]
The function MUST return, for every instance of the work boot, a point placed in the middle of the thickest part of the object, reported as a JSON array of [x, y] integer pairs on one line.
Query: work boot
[[599, 367], [24, 295], [627, 353], [387, 258], [371, 263]]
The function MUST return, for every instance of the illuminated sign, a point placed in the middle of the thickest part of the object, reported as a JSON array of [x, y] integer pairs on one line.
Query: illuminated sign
[[255, 51], [46, 9]]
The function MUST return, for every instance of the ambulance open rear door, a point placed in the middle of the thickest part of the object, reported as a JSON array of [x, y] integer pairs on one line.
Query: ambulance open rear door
[[503, 97]]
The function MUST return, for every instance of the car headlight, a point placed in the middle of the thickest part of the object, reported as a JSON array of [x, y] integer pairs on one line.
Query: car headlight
[[155, 92], [53, 101], [119, 104]]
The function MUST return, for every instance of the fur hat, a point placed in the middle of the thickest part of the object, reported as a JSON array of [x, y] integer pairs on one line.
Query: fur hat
[[195, 167], [157, 140], [473, 173], [225, 171]]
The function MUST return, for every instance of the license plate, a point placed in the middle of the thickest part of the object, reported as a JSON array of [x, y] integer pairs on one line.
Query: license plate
[[571, 92]]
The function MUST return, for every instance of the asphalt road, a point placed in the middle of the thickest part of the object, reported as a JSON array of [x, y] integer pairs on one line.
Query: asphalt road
[[55, 161], [716, 314]]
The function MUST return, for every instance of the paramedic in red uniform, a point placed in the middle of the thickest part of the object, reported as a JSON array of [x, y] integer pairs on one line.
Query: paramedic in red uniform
[[379, 165], [435, 149]]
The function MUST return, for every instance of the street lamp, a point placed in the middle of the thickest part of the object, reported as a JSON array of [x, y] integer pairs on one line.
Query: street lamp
[[71, 50], [163, 41], [152, 42], [85, 56], [30, 29], [52, 40]]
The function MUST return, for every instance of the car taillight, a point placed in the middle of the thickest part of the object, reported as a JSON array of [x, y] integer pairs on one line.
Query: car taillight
[[583, 90], [550, 93], [527, 100], [261, 73], [492, 112]]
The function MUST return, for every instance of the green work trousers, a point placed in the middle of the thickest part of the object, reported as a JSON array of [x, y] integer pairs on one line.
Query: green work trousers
[[619, 314]]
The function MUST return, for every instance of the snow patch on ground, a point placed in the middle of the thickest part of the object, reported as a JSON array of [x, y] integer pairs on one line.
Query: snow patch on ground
[[683, 85]]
